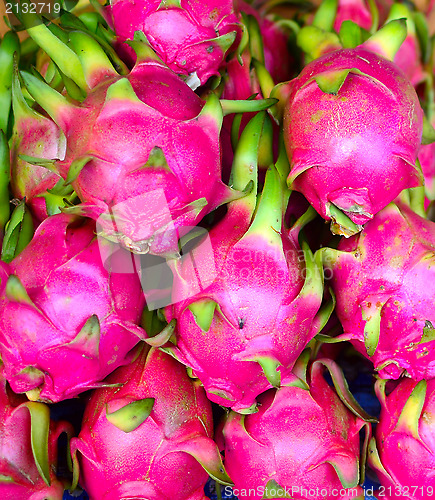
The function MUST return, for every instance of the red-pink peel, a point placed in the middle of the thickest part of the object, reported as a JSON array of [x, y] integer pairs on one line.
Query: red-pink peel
[[384, 286], [62, 306], [303, 442], [155, 451], [403, 452], [353, 145], [28, 458], [191, 37]]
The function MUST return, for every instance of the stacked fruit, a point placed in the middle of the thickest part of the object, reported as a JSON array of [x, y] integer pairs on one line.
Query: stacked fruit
[[216, 206]]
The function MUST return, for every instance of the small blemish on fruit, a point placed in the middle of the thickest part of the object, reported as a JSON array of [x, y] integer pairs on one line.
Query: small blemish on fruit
[[318, 115]]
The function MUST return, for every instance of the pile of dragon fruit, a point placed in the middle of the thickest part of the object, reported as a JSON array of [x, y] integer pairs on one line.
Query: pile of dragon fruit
[[215, 216]]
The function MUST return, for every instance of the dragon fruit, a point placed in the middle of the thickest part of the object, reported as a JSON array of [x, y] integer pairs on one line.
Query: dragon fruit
[[266, 45], [136, 146], [35, 135], [256, 302], [403, 452], [303, 443], [353, 10], [266, 54], [353, 126], [426, 157], [193, 38], [409, 56], [384, 292], [151, 438], [28, 448], [427, 162], [62, 306]]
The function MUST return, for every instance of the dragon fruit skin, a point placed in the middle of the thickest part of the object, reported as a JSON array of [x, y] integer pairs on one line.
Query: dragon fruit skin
[[426, 157], [408, 56], [256, 312], [384, 292], [353, 10], [302, 438], [427, 161], [27, 474], [241, 82], [403, 452], [158, 456], [408, 59], [278, 60], [134, 136], [258, 297], [191, 37], [354, 148], [60, 306], [37, 136]]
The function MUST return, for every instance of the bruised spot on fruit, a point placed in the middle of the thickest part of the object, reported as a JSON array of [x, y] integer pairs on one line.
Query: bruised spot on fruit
[[396, 261], [214, 14], [318, 115], [112, 360], [398, 240], [423, 353], [427, 417], [291, 320]]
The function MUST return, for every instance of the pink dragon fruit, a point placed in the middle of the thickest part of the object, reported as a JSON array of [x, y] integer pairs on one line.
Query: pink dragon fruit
[[37, 136], [255, 306], [268, 46], [384, 292], [268, 42], [241, 80], [28, 448], [303, 443], [409, 56], [353, 10], [426, 157], [427, 162], [353, 126], [61, 306], [151, 438], [191, 37], [403, 452], [136, 147]]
